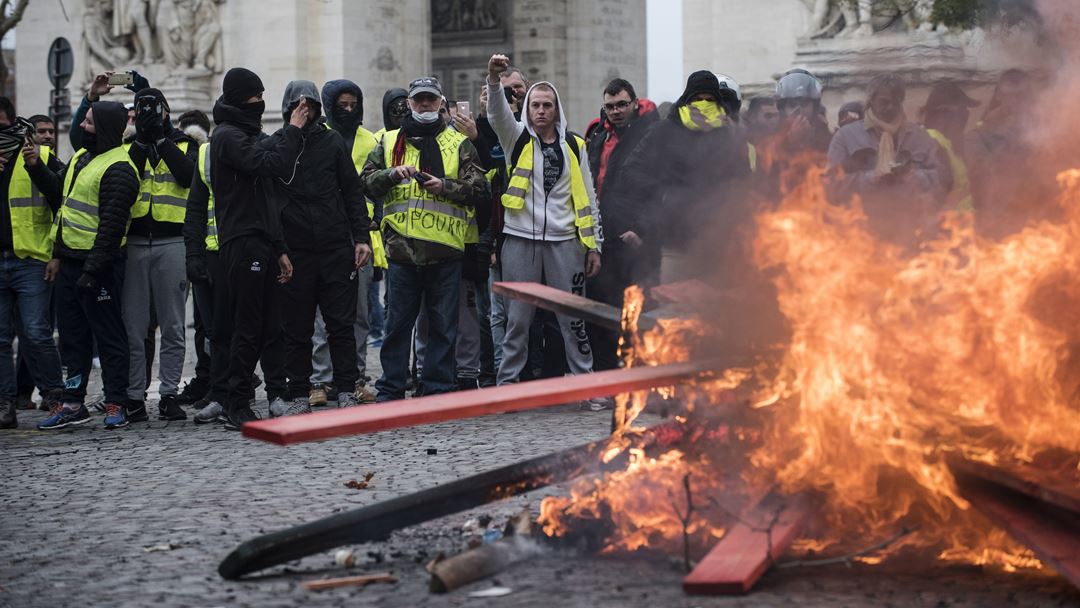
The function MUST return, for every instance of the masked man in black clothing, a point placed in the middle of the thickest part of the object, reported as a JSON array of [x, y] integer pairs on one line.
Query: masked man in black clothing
[[249, 227], [325, 222], [98, 189]]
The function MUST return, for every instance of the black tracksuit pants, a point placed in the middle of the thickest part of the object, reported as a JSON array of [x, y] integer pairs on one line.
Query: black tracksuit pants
[[325, 280], [616, 274], [251, 319], [82, 318]]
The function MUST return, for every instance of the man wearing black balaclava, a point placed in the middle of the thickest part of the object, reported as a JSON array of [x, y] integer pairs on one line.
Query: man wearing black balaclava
[[97, 189], [325, 222], [249, 227], [395, 107]]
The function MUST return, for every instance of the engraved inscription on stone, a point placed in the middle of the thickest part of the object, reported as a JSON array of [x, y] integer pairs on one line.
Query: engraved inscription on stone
[[466, 15]]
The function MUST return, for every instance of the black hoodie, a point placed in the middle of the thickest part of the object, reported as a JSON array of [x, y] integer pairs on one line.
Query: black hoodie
[[118, 191], [242, 172], [388, 98], [330, 93]]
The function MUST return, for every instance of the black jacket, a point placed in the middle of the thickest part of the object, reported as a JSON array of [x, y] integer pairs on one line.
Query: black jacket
[[323, 205], [617, 209], [182, 166], [118, 192], [242, 172]]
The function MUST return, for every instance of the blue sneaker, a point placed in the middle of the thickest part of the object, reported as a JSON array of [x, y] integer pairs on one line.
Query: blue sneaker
[[64, 414], [115, 417]]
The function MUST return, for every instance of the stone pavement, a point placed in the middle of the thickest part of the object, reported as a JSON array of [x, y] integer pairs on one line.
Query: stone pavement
[[81, 507]]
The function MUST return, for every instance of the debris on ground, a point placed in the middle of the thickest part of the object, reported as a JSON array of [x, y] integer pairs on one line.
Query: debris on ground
[[350, 581], [360, 485]]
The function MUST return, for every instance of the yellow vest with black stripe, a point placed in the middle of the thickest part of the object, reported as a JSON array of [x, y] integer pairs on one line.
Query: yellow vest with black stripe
[[521, 180], [167, 200], [79, 212], [960, 196], [31, 217], [363, 144], [146, 184], [416, 213], [211, 218]]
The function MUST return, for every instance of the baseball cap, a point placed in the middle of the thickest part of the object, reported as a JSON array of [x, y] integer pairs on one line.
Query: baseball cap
[[425, 84]]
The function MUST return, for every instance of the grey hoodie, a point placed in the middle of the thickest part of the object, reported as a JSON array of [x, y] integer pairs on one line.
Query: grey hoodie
[[296, 90], [547, 217]]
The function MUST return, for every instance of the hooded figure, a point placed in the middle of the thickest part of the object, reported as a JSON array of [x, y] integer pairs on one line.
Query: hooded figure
[[88, 264], [343, 121], [551, 219], [393, 110]]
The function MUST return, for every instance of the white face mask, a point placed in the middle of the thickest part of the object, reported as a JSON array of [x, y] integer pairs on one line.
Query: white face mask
[[425, 117]]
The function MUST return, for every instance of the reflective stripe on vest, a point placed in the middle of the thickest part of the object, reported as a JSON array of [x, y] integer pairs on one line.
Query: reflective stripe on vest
[[161, 195], [79, 212], [415, 213], [751, 151], [960, 196], [521, 180], [31, 217], [363, 144], [211, 217]]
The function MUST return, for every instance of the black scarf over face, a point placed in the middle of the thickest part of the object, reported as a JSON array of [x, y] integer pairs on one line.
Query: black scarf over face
[[423, 136], [246, 116]]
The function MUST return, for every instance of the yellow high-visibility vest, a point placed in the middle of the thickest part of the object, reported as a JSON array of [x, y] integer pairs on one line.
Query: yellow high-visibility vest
[[79, 212], [415, 213], [363, 144], [211, 217], [521, 180], [960, 196], [31, 217], [160, 192]]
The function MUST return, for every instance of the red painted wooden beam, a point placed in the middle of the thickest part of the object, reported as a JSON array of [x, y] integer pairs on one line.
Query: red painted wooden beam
[[562, 302], [750, 547], [468, 404], [1053, 534]]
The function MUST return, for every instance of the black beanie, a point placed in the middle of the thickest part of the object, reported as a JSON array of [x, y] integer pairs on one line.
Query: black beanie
[[702, 81], [156, 94], [240, 84]]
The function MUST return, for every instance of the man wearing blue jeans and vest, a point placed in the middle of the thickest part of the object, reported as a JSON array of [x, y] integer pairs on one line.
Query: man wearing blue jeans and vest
[[431, 182], [25, 249], [551, 220]]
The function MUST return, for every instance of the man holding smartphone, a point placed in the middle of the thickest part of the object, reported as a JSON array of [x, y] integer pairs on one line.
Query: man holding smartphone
[[432, 182]]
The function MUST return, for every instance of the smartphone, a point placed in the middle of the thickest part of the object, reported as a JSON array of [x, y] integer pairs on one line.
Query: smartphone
[[421, 177], [121, 79], [463, 108]]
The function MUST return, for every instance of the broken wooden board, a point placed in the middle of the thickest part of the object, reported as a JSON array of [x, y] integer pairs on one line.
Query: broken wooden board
[[1061, 490], [1052, 533], [562, 302], [750, 547], [468, 404], [349, 581]]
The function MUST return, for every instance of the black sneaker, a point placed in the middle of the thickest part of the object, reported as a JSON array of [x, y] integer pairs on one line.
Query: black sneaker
[[202, 403], [467, 384], [239, 417], [169, 408], [194, 391], [8, 420], [25, 402], [136, 411]]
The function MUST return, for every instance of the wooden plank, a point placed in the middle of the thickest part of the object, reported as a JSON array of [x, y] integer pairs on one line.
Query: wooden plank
[[563, 302], [1053, 534], [468, 404], [691, 291], [750, 547], [1060, 489], [349, 581]]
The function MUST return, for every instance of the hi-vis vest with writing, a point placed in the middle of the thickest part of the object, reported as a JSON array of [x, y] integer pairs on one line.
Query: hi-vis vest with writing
[[960, 196], [79, 212], [211, 218], [521, 172], [167, 198], [31, 217], [363, 144], [415, 213]]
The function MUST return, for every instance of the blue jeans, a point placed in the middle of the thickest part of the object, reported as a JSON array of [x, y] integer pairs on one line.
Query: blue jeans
[[24, 292], [436, 286], [376, 319]]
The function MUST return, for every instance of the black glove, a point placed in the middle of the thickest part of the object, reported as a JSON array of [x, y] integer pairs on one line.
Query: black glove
[[377, 275], [87, 284], [148, 127], [138, 82], [196, 270]]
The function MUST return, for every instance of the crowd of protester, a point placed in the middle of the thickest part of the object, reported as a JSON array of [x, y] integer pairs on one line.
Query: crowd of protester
[[302, 248]]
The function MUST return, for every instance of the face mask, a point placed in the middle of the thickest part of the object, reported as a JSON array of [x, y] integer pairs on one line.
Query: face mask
[[425, 118], [702, 116], [255, 108], [89, 141], [129, 132], [341, 116]]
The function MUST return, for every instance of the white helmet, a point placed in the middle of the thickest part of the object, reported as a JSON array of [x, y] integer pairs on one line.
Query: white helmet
[[797, 83], [727, 82]]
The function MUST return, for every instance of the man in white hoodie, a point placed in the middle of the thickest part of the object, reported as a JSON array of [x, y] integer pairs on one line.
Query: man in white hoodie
[[551, 219]]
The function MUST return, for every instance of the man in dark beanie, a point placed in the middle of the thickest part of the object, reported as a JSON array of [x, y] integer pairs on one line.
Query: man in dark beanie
[[249, 227], [680, 175]]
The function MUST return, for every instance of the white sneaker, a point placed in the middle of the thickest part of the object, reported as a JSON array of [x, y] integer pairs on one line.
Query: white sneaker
[[278, 407], [599, 404], [298, 406], [211, 413]]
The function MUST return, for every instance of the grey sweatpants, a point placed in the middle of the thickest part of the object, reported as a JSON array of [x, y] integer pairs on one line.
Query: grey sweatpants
[[155, 276], [467, 347], [558, 264], [322, 372]]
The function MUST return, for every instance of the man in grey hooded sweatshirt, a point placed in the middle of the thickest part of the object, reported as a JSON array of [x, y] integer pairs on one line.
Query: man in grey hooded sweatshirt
[[551, 218]]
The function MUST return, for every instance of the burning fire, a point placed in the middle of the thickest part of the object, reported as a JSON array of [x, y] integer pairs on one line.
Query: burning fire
[[895, 360]]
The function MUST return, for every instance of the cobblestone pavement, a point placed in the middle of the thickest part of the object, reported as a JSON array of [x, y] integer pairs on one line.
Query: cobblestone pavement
[[80, 508]]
